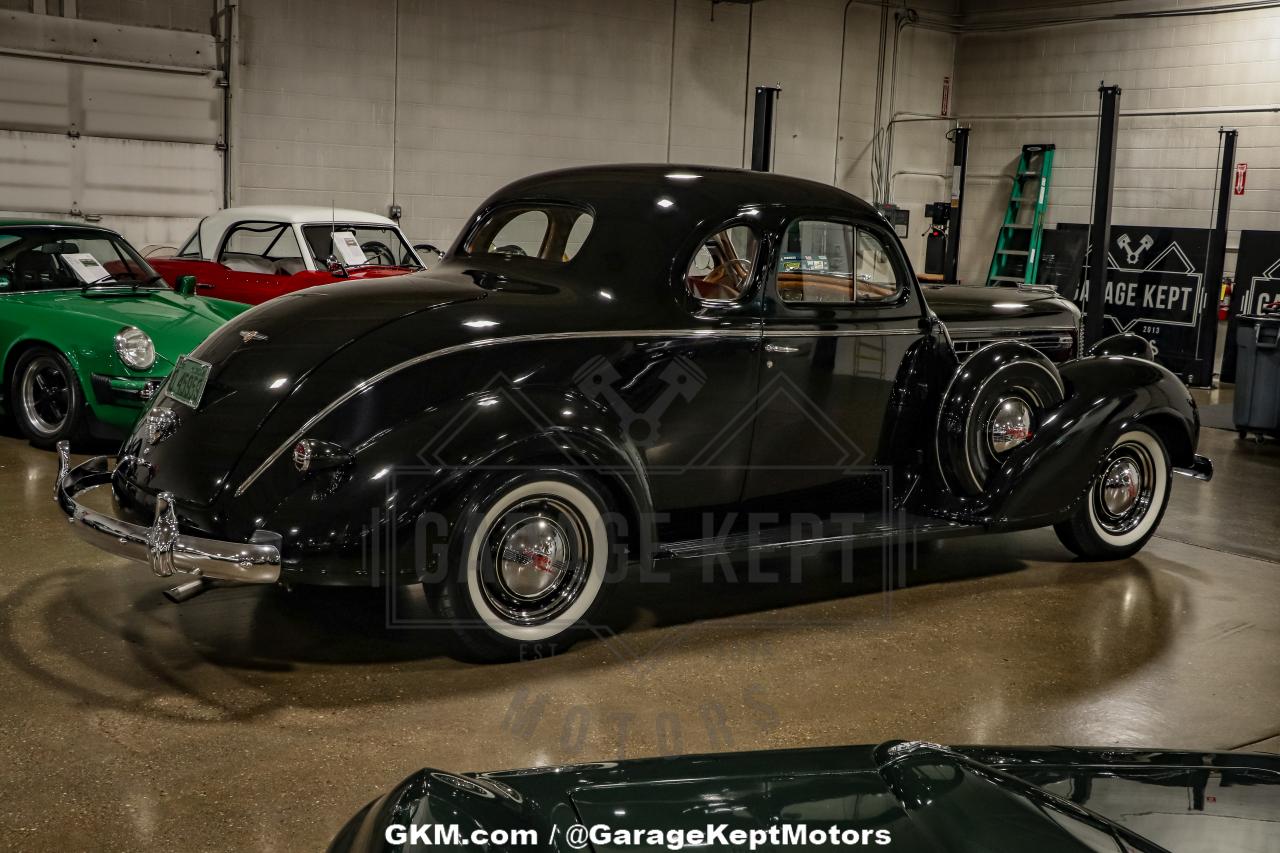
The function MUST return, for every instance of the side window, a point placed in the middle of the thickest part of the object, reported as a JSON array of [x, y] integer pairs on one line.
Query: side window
[[270, 248], [268, 240], [577, 236], [721, 268], [816, 262], [191, 248], [548, 232], [522, 235], [876, 280], [824, 261]]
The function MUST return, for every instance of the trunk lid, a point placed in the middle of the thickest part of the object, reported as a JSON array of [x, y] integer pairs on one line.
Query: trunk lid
[[263, 357]]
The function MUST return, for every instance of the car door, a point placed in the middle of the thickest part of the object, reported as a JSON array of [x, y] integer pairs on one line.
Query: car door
[[840, 314], [700, 392]]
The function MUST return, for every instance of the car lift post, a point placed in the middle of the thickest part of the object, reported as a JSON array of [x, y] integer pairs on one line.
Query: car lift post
[[762, 133], [951, 265], [1207, 333], [1100, 231]]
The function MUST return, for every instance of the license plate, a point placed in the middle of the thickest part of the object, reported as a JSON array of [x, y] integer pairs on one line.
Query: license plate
[[186, 383]]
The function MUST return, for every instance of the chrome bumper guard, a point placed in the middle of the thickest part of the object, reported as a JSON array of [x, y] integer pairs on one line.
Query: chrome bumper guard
[[160, 546], [1201, 468]]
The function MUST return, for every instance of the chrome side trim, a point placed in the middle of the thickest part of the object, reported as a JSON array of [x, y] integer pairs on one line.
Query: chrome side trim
[[160, 546], [757, 332], [699, 548], [971, 331], [838, 333]]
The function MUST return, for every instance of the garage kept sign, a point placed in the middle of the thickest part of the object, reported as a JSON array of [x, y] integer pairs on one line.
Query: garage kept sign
[[1257, 284], [1155, 289]]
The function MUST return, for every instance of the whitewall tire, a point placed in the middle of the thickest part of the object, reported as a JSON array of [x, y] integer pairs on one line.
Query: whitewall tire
[[1125, 502], [530, 567]]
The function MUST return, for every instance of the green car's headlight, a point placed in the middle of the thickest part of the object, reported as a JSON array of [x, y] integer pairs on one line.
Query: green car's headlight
[[135, 348]]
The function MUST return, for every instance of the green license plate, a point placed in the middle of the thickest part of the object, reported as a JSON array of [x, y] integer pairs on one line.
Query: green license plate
[[186, 383]]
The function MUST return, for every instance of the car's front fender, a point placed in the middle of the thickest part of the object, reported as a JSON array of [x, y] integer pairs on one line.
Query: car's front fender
[[1043, 482]]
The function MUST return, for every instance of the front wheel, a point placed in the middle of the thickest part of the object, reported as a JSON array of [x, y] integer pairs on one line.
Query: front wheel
[[1125, 502], [529, 569], [48, 404]]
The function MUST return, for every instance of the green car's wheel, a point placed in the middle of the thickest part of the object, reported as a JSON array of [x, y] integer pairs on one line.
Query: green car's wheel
[[47, 401]]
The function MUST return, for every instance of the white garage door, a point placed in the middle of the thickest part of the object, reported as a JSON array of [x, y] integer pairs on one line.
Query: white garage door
[[135, 148]]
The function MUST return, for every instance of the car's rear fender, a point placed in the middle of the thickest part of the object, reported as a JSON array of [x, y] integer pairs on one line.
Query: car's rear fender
[[407, 486]]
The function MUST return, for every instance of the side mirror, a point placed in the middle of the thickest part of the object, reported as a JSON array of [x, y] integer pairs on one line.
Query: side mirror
[[186, 285], [336, 267]]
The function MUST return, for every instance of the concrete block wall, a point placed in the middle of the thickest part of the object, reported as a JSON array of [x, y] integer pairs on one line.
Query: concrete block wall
[[1167, 165], [312, 103], [331, 106], [189, 15]]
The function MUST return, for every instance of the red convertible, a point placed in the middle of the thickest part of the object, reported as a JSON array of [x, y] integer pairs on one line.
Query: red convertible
[[252, 254]]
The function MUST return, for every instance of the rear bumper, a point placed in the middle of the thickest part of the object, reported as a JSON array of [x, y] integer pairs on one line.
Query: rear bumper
[[160, 546], [1201, 468]]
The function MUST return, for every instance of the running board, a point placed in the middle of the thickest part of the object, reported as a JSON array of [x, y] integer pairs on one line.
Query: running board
[[912, 527]]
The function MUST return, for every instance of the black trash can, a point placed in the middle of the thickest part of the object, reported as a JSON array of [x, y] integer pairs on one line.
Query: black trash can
[[1257, 403]]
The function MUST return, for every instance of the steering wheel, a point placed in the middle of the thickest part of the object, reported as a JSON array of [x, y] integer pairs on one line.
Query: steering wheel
[[376, 252], [737, 271]]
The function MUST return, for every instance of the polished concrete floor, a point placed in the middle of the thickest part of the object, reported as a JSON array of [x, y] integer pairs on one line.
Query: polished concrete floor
[[256, 719]]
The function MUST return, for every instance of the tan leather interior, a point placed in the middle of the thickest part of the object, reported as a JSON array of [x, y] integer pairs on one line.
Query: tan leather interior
[[828, 287]]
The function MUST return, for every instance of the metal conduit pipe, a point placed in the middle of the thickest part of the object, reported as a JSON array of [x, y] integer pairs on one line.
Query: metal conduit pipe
[[1183, 111]]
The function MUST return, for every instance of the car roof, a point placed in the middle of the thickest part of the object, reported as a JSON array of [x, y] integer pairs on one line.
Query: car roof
[[672, 203], [294, 213], [702, 187]]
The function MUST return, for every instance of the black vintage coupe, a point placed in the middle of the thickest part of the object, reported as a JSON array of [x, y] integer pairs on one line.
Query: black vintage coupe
[[628, 363], [906, 796]]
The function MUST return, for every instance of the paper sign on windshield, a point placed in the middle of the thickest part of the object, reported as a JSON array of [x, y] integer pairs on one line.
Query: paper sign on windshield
[[348, 247], [86, 267]]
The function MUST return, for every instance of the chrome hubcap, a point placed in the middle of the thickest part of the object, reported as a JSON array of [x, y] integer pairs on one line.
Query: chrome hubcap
[[46, 395], [1123, 495], [1121, 486], [534, 561], [1010, 425], [533, 553]]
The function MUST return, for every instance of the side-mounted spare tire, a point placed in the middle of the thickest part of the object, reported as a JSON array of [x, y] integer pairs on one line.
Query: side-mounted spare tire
[[994, 404]]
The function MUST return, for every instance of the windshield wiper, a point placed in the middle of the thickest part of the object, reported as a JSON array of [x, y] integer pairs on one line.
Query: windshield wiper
[[133, 283], [379, 264]]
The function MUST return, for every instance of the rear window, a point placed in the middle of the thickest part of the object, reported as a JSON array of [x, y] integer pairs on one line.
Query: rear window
[[548, 232]]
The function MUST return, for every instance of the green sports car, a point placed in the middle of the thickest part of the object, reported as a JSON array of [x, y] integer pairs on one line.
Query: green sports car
[[88, 330]]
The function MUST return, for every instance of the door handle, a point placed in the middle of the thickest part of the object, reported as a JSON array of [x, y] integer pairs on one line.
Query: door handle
[[780, 348]]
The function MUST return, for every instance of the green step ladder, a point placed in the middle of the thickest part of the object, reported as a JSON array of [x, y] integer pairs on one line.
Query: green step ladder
[[1017, 256]]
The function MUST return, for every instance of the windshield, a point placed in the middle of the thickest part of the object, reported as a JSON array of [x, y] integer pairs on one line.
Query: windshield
[[381, 245], [36, 258]]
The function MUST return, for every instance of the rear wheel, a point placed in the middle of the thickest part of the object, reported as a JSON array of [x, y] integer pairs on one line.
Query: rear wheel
[[47, 401], [529, 569], [1125, 502]]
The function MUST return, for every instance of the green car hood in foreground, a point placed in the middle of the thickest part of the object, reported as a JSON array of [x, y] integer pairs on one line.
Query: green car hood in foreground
[[83, 325], [901, 796]]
